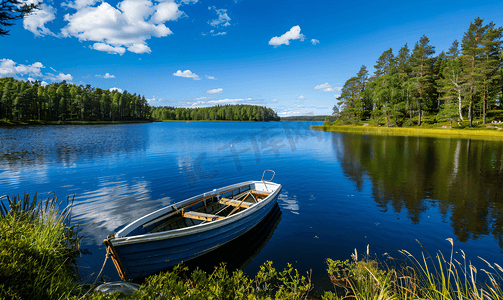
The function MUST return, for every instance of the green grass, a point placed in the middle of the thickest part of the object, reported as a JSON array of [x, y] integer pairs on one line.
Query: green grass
[[432, 278], [469, 133], [37, 249]]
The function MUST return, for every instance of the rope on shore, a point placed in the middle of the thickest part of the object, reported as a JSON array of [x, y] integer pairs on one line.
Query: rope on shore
[[99, 274]]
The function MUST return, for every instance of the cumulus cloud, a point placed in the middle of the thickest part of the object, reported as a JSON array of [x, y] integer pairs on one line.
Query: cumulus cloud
[[60, 77], [210, 77], [224, 101], [9, 68], [166, 11], [35, 21], [200, 98], [116, 89], [186, 74], [215, 91], [108, 48], [107, 75], [315, 41], [292, 34], [326, 87], [301, 97], [223, 18], [128, 26]]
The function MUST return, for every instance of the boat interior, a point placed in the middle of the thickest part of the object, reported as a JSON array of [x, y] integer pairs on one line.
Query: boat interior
[[203, 210]]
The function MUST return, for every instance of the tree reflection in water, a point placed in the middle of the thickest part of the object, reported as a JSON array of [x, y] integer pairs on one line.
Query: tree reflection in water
[[461, 177]]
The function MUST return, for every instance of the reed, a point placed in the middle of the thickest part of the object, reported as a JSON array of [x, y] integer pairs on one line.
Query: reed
[[38, 248], [434, 278]]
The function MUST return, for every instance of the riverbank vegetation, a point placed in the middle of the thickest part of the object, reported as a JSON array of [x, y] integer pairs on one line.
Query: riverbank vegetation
[[25, 101], [411, 88], [240, 112], [38, 250]]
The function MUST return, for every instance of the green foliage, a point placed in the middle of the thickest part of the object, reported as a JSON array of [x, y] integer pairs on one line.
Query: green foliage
[[37, 249], [179, 284], [410, 85], [437, 278], [24, 101], [241, 112]]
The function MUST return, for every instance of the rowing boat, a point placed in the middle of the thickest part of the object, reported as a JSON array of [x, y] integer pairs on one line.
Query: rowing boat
[[190, 228]]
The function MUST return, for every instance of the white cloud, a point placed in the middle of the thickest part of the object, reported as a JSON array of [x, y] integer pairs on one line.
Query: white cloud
[[301, 97], [292, 34], [200, 98], [139, 48], [324, 87], [8, 68], [186, 74], [107, 48], [328, 89], [115, 89], [35, 22], [166, 11], [215, 91], [227, 101], [315, 41], [218, 33], [210, 77], [223, 18], [127, 26], [61, 77], [107, 75], [80, 3]]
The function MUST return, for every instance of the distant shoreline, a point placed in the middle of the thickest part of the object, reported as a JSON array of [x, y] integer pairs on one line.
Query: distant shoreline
[[28, 123], [415, 131]]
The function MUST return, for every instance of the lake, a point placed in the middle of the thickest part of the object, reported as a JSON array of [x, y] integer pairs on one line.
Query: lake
[[341, 191]]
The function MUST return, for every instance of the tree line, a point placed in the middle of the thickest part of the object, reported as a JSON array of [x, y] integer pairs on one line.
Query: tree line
[[454, 86], [241, 112], [27, 100]]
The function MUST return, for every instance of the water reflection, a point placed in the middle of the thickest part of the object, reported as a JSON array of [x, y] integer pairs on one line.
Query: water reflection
[[462, 178], [112, 205], [28, 146]]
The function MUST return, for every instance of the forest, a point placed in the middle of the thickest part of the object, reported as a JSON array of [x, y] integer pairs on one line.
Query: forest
[[242, 112], [414, 87], [27, 100]]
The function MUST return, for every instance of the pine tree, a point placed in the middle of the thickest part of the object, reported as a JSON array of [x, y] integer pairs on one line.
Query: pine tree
[[422, 62]]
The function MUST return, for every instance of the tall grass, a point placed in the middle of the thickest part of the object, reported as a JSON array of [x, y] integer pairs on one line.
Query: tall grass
[[38, 248], [435, 278]]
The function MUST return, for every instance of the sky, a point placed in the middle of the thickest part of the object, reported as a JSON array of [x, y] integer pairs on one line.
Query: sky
[[292, 56]]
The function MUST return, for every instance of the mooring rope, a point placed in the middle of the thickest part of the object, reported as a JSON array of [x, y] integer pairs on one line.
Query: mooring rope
[[99, 274]]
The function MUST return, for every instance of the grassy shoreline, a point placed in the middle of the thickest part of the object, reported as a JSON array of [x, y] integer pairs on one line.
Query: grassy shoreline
[[482, 134]]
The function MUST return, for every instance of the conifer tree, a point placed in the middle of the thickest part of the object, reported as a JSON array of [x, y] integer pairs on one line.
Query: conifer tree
[[422, 62]]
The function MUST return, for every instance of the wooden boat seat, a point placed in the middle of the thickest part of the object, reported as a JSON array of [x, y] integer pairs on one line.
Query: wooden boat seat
[[201, 216], [236, 203]]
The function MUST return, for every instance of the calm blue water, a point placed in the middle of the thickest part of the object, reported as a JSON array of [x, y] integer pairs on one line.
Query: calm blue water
[[340, 191]]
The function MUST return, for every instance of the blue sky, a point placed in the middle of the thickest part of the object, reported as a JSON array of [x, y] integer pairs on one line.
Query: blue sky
[[292, 56]]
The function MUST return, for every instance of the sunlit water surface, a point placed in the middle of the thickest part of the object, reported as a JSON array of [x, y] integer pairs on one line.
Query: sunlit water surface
[[341, 192]]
